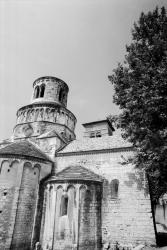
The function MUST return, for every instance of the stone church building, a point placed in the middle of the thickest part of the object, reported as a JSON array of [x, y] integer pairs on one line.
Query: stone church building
[[60, 193]]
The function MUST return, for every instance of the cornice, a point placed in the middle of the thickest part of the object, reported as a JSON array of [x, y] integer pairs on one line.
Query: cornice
[[25, 157], [99, 151], [53, 78], [47, 105]]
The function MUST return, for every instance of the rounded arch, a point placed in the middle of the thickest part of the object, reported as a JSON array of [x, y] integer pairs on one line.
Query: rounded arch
[[36, 169], [36, 114], [14, 161], [28, 164], [70, 186], [83, 187], [28, 114], [59, 187], [4, 163], [38, 166]]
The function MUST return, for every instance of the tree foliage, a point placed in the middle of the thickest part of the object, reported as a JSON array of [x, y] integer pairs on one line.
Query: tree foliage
[[140, 85]]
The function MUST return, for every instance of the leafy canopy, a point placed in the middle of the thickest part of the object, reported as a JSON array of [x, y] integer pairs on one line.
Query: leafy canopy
[[140, 85]]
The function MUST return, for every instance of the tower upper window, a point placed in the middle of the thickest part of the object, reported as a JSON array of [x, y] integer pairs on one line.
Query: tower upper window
[[42, 90], [36, 92], [61, 95]]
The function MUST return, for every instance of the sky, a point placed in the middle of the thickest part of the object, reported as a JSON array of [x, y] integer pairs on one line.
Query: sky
[[78, 41]]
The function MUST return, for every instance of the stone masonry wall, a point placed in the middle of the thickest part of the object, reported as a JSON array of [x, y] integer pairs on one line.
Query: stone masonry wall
[[34, 129], [90, 218], [126, 218], [23, 229], [52, 91], [10, 179]]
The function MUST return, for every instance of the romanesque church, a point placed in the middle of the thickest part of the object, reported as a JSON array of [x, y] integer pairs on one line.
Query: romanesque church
[[60, 193]]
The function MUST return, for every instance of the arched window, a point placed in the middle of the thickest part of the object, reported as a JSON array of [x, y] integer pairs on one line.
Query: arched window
[[36, 92], [61, 95], [114, 186], [42, 90], [64, 205]]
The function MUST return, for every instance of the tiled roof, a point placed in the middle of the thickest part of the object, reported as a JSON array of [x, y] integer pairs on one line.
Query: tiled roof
[[76, 173], [23, 149], [114, 141], [98, 122]]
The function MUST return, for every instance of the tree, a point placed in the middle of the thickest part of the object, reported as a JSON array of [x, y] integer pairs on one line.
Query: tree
[[140, 85]]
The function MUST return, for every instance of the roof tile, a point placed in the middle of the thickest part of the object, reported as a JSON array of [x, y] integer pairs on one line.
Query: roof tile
[[86, 144], [77, 173], [24, 148]]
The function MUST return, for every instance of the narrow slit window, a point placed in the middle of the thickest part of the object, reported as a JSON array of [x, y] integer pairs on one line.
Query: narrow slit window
[[36, 92], [42, 90], [61, 95], [64, 205]]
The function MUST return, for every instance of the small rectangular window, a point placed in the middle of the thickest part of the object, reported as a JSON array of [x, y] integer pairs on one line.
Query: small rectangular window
[[92, 135]]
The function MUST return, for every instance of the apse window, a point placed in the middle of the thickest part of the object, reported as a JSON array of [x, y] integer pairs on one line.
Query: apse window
[[114, 187], [36, 92], [64, 205], [42, 90], [61, 95], [5, 193]]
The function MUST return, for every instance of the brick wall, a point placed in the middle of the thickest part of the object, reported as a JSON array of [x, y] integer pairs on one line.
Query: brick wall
[[128, 217]]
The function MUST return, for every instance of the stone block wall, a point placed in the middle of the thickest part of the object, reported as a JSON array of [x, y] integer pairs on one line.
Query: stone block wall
[[46, 112], [76, 223], [126, 218], [10, 180], [53, 88], [34, 129], [90, 218], [19, 184], [27, 203]]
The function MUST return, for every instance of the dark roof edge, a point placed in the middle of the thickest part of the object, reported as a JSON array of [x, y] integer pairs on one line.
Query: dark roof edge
[[97, 151], [51, 180]]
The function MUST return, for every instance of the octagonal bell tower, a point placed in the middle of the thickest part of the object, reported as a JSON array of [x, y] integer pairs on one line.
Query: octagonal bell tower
[[47, 115], [50, 89]]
